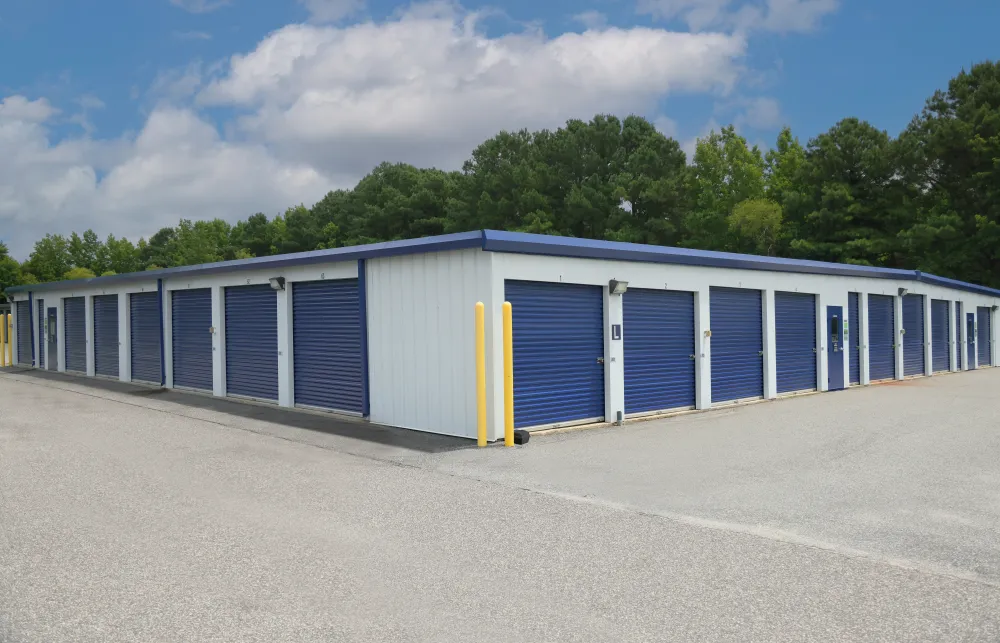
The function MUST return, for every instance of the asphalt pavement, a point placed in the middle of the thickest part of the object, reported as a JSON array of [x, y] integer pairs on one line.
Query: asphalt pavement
[[867, 515]]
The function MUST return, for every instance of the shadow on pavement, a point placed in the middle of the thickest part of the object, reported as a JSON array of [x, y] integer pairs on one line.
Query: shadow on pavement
[[348, 427]]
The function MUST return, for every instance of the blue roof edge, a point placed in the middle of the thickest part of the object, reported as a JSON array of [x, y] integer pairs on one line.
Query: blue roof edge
[[523, 243], [440, 243]]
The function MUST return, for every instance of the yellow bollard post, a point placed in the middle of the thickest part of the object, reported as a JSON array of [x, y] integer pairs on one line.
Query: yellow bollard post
[[508, 375], [3, 339], [8, 350], [481, 373]]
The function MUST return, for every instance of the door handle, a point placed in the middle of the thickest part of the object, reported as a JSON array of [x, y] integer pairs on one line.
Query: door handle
[[600, 360]]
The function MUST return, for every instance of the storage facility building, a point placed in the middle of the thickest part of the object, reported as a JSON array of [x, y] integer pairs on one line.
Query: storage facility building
[[602, 331]]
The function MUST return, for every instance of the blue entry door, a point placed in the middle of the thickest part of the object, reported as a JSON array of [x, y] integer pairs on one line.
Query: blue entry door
[[835, 348], [970, 338]]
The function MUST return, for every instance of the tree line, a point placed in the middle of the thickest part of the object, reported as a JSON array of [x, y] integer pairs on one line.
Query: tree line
[[928, 199]]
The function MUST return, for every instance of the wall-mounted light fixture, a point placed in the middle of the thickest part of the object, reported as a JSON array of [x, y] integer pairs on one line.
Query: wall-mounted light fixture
[[278, 283], [903, 291], [616, 287]]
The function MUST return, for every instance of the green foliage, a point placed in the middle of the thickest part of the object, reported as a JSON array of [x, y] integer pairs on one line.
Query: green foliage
[[79, 273], [756, 226], [10, 271], [726, 172], [929, 199]]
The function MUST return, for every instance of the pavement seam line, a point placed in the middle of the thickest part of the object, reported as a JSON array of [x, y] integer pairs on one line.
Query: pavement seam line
[[772, 534], [760, 532]]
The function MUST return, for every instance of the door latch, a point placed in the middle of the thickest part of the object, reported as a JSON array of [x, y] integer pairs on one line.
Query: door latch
[[600, 360]]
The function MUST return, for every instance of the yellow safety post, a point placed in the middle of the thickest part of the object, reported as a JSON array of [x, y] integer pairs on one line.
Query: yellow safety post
[[3, 339], [508, 375], [10, 338], [481, 373]]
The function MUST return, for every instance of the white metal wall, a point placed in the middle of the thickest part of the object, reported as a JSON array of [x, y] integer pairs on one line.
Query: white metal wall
[[829, 291], [420, 324], [218, 284], [421, 339]]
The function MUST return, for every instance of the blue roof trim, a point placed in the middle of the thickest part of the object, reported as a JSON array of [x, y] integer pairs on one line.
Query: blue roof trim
[[522, 243], [440, 243], [954, 283]]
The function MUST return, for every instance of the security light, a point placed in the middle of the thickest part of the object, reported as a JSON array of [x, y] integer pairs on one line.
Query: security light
[[278, 283], [616, 287], [903, 291]]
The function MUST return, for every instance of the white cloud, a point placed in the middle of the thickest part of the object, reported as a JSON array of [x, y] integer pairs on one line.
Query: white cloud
[[178, 166], [761, 113], [591, 19], [177, 85], [426, 88], [742, 15], [18, 109], [192, 35], [666, 126], [331, 10], [319, 106], [200, 6]]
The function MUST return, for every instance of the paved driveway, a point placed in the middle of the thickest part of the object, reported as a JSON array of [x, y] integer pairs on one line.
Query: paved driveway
[[871, 514]]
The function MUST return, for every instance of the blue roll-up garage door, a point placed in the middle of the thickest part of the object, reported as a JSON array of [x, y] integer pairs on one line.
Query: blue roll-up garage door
[[252, 342], [106, 335], [75, 323], [881, 336], [913, 338], [23, 312], [737, 344], [795, 341], [985, 334], [191, 329], [144, 327], [326, 332], [41, 334], [658, 338], [940, 335], [558, 352], [854, 337]]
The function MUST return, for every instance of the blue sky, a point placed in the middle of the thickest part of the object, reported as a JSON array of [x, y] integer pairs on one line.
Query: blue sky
[[126, 115]]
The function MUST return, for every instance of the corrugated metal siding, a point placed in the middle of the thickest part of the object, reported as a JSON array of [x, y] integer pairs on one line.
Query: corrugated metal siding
[[881, 337], [795, 341], [658, 344], [940, 336], [984, 345], [326, 323], [404, 381], [558, 352], [252, 341], [41, 334], [144, 323], [106, 335], [75, 324], [737, 344], [854, 340], [23, 312], [913, 339], [191, 323]]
